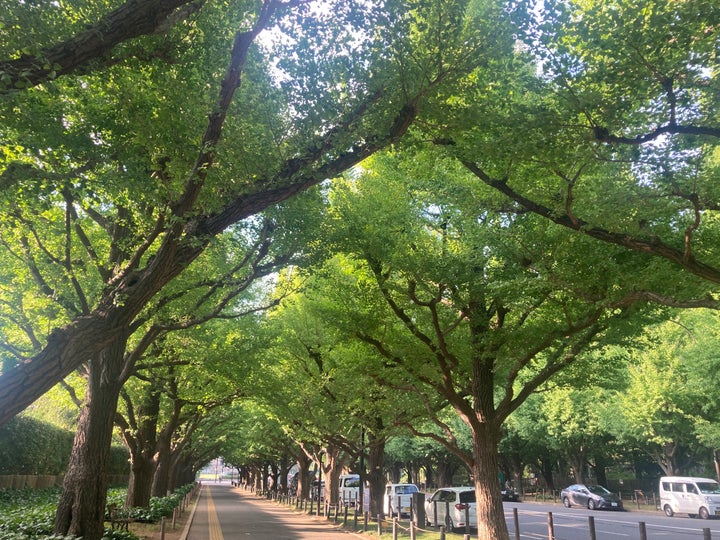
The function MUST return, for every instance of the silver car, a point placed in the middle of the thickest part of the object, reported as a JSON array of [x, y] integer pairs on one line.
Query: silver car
[[452, 507]]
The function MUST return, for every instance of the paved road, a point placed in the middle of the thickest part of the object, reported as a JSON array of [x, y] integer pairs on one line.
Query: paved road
[[573, 524], [224, 512]]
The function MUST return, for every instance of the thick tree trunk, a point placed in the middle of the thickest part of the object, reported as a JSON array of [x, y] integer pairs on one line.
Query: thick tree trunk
[[376, 479], [486, 464], [332, 467], [163, 465], [303, 476], [82, 504], [141, 445], [142, 471]]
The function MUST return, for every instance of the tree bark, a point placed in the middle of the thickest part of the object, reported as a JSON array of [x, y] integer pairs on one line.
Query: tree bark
[[81, 508], [376, 479], [486, 465], [132, 19], [303, 476]]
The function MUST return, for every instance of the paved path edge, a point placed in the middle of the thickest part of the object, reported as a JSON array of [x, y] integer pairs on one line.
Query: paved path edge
[[185, 533]]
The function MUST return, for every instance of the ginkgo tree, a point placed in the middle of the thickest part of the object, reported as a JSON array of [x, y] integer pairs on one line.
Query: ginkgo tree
[[127, 152], [467, 304]]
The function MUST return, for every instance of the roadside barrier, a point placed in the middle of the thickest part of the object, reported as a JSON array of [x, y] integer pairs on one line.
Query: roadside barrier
[[398, 528]]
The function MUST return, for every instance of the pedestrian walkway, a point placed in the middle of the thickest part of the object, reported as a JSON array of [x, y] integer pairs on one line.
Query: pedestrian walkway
[[224, 512]]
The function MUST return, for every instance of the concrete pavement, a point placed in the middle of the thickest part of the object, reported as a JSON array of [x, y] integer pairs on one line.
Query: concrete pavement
[[224, 512]]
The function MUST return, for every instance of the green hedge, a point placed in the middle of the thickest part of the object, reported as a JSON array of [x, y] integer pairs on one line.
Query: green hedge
[[29, 446]]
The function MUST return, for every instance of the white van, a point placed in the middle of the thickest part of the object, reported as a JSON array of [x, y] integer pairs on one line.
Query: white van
[[398, 499], [689, 495], [349, 488]]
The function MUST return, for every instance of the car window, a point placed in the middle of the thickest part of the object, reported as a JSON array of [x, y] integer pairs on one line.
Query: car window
[[467, 496], [598, 490], [406, 489], [709, 488], [690, 488]]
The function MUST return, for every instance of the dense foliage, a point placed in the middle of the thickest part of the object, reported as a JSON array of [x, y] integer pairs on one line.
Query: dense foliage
[[33, 447], [29, 514]]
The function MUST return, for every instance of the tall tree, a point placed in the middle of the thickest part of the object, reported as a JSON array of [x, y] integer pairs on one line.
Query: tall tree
[[474, 309], [113, 186], [97, 153]]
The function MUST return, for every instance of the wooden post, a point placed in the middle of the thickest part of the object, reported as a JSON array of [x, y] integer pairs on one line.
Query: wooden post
[[394, 528], [706, 534], [516, 520], [442, 532], [379, 522], [162, 529], [412, 530], [551, 527], [591, 525], [366, 516], [643, 532]]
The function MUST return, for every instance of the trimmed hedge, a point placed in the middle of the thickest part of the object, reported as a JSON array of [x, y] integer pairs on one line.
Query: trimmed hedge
[[32, 447]]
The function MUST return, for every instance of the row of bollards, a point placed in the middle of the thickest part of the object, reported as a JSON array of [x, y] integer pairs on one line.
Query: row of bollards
[[179, 509], [707, 535]]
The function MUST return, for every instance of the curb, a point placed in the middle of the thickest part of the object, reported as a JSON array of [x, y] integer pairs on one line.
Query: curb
[[186, 531]]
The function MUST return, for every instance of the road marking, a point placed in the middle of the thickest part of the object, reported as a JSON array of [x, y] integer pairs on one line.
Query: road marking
[[213, 521]]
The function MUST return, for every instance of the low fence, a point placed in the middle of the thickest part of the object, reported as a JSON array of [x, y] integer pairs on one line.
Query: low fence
[[584, 527]]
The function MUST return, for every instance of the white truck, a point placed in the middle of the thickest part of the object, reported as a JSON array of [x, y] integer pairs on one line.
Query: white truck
[[689, 495]]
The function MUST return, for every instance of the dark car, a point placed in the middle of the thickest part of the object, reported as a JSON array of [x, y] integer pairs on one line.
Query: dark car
[[590, 496], [509, 494]]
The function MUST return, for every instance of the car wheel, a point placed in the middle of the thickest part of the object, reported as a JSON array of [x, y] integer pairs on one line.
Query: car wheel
[[668, 511], [704, 514], [566, 502], [591, 504]]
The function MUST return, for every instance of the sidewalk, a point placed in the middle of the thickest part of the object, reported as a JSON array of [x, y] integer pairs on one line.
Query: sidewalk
[[225, 512]]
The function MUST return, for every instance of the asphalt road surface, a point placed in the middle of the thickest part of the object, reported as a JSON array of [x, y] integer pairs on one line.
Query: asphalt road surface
[[227, 513], [573, 524]]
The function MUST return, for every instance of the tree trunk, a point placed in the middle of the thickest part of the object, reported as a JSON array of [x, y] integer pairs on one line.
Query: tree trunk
[[331, 468], [141, 477], [376, 479], [161, 479], [486, 464], [303, 476], [81, 508], [141, 444]]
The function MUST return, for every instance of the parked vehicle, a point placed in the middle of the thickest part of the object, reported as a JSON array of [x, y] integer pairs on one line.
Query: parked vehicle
[[509, 494], [590, 496], [450, 506], [689, 495], [349, 488], [398, 499], [315, 493]]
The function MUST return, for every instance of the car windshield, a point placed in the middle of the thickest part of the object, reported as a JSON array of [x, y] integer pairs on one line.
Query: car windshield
[[467, 496], [598, 490], [709, 488], [406, 489]]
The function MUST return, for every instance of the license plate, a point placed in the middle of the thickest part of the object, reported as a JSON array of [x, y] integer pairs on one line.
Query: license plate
[[613, 504], [406, 509]]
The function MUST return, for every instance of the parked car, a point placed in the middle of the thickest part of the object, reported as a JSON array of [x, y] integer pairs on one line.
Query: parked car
[[398, 499], [690, 495], [509, 494], [450, 506], [590, 496]]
